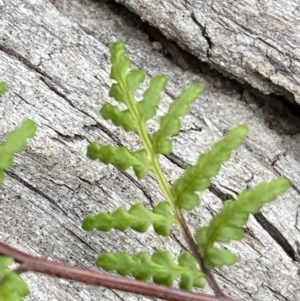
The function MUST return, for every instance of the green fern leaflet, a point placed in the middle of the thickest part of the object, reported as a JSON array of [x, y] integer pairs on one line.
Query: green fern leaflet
[[137, 218], [227, 225], [12, 286], [197, 177], [15, 142], [160, 267]]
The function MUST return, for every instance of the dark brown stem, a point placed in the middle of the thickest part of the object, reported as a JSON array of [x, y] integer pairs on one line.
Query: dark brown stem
[[30, 263], [208, 274]]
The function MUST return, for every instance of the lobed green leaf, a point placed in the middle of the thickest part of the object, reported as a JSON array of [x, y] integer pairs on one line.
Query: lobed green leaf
[[151, 98], [160, 267], [127, 83], [3, 88], [227, 225], [170, 123], [118, 117], [15, 141], [12, 286], [196, 178], [120, 63], [146, 107], [137, 218], [121, 158]]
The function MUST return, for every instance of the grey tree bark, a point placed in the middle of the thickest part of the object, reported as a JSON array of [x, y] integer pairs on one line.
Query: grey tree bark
[[54, 57]]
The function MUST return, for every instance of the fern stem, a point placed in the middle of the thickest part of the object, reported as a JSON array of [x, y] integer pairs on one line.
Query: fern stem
[[30, 263], [193, 248], [164, 185]]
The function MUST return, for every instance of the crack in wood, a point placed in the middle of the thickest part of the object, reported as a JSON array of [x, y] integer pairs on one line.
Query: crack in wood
[[11, 52], [205, 35], [276, 235], [34, 189]]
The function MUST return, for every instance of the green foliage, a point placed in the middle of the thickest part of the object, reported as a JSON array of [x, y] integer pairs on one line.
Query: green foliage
[[120, 157], [197, 177], [170, 123], [12, 286], [160, 267], [3, 88], [136, 115], [227, 225], [222, 228], [15, 142], [137, 218]]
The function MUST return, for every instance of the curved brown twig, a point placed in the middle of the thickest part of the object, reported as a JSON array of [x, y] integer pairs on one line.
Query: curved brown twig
[[30, 263]]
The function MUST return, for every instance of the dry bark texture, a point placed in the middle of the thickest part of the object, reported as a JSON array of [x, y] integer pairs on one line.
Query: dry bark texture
[[253, 41], [54, 57]]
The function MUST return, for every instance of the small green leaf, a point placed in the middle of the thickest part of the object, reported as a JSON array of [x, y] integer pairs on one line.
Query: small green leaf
[[137, 218], [227, 225], [15, 141], [215, 257], [170, 123], [3, 88], [5, 262], [164, 219], [15, 283], [120, 63], [197, 177], [151, 97], [121, 158], [134, 79], [12, 286], [119, 118], [160, 267]]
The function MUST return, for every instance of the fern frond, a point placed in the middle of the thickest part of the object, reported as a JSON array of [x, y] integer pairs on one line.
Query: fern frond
[[137, 218], [170, 123], [146, 107], [197, 177], [160, 267], [15, 141], [12, 286], [127, 82], [120, 157], [227, 225]]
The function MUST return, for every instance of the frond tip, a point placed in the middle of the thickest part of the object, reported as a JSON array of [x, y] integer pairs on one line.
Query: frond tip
[[160, 267], [227, 225], [137, 218]]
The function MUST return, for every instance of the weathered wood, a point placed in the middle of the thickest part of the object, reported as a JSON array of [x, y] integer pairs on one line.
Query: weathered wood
[[54, 58], [252, 41]]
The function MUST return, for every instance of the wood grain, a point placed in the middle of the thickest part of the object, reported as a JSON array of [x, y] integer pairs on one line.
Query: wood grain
[[255, 42], [54, 57]]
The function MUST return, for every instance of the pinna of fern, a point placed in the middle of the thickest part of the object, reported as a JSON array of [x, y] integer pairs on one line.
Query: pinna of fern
[[227, 224], [160, 267], [15, 140]]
